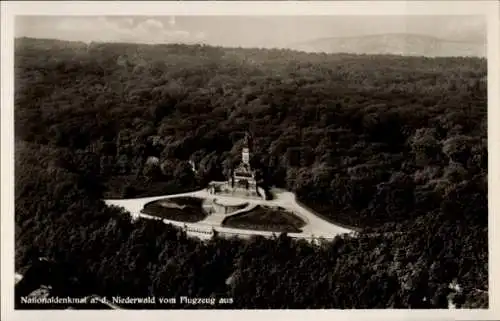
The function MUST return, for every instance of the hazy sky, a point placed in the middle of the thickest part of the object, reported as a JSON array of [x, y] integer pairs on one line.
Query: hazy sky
[[244, 31]]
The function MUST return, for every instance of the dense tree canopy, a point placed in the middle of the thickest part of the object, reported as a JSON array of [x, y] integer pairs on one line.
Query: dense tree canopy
[[394, 145]]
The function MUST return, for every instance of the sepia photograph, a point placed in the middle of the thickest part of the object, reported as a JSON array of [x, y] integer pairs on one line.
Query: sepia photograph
[[177, 161]]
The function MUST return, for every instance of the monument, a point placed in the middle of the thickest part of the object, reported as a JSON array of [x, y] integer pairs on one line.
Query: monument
[[243, 176], [241, 181]]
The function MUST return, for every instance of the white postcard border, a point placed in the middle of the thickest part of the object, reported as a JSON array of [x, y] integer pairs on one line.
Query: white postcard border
[[12, 8]]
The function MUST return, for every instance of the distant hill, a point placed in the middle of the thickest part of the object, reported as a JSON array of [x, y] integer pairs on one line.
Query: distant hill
[[400, 44], [47, 44]]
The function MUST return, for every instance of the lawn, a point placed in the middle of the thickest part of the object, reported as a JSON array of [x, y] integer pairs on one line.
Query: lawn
[[182, 209], [267, 219]]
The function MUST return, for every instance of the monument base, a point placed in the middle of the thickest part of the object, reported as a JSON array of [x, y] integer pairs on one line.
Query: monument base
[[225, 189]]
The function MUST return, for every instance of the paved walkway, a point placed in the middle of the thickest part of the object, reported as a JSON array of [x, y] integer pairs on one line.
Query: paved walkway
[[315, 226], [216, 218]]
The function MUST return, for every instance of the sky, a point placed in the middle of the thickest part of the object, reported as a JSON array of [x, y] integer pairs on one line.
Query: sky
[[244, 31]]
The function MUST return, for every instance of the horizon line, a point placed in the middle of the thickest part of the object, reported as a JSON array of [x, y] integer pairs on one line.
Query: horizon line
[[269, 48]]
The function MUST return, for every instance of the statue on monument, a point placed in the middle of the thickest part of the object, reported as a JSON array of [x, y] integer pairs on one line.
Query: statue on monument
[[247, 139]]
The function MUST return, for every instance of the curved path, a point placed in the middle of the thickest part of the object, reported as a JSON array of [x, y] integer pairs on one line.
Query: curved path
[[315, 226], [216, 219]]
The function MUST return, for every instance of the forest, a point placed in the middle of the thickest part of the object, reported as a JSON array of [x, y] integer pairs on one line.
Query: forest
[[381, 143]]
